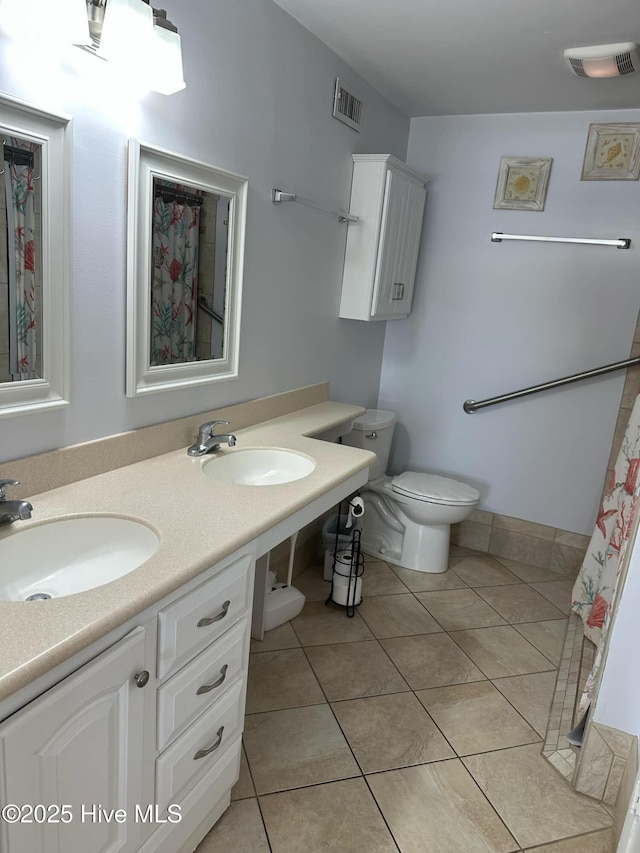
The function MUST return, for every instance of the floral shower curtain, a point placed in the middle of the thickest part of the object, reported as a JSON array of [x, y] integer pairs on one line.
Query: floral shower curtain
[[21, 224], [595, 591], [174, 281]]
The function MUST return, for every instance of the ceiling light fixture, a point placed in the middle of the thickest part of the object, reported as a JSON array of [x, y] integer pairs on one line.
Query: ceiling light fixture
[[603, 60], [133, 33]]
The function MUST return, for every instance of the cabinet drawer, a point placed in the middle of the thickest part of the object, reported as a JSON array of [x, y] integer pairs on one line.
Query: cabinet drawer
[[195, 620], [206, 801], [196, 751], [201, 682]]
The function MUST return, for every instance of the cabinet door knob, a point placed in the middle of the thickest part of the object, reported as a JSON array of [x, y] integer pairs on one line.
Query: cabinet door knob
[[202, 753], [141, 678], [209, 620]]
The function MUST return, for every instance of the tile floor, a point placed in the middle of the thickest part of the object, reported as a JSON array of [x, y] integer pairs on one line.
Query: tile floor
[[416, 726]]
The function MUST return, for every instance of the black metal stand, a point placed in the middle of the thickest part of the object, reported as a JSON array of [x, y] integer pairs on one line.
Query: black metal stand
[[351, 571]]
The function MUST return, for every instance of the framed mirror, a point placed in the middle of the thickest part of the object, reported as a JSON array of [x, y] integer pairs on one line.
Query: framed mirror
[[35, 225], [185, 250]]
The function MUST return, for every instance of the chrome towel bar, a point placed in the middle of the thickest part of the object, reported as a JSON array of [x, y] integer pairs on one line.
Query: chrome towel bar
[[471, 406], [278, 197], [620, 243]]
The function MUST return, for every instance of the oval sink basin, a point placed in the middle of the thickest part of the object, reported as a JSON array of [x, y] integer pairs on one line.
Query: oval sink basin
[[260, 466], [71, 555]]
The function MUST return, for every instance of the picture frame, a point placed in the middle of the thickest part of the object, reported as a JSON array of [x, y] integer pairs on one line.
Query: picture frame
[[612, 152], [522, 183]]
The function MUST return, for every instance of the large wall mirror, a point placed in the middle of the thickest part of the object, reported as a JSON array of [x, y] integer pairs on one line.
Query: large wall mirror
[[185, 251], [34, 259]]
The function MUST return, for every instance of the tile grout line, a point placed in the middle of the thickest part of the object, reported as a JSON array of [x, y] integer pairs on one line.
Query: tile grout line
[[413, 691]]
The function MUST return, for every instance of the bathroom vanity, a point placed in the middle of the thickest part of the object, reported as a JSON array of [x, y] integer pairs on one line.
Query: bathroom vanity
[[123, 705]]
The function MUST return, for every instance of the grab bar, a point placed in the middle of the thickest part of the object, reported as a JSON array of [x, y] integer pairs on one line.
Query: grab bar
[[620, 243], [202, 303], [471, 406]]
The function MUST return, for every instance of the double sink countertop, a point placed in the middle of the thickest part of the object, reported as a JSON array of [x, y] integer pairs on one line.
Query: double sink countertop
[[198, 520]]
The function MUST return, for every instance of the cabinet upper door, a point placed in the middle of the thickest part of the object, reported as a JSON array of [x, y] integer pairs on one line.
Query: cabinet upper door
[[412, 229], [390, 248], [78, 745]]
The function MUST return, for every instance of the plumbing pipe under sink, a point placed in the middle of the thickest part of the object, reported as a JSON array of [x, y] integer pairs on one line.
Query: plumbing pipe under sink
[[283, 601]]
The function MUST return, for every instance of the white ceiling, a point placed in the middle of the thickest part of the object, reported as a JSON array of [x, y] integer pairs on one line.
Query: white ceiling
[[444, 57]]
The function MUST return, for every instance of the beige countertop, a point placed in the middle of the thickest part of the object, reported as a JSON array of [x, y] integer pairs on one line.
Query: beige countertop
[[199, 522]]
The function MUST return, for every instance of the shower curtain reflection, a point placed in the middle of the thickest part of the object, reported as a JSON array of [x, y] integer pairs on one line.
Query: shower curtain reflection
[[20, 270], [174, 273]]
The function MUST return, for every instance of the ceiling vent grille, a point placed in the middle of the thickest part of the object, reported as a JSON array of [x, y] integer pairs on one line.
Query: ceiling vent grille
[[624, 61], [576, 64], [347, 105]]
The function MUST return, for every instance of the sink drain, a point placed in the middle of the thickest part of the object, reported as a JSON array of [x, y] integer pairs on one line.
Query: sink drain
[[38, 596]]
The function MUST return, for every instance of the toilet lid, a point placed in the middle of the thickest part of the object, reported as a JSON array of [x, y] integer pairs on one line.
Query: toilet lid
[[434, 489]]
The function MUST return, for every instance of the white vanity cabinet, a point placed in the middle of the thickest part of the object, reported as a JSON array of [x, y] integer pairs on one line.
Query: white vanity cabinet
[[152, 725], [382, 246], [77, 746]]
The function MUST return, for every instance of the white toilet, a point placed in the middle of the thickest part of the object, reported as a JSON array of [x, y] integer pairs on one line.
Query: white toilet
[[407, 517]]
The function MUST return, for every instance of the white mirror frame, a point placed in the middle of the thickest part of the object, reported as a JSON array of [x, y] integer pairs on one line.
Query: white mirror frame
[[53, 133], [147, 162]]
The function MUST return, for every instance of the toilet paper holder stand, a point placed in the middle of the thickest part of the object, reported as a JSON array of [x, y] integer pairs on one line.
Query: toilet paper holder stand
[[348, 563]]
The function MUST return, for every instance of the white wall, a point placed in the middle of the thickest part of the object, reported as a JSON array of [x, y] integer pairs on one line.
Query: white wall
[[492, 318], [258, 102]]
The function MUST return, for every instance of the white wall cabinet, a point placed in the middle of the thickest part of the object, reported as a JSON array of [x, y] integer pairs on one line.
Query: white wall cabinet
[[104, 739], [382, 247]]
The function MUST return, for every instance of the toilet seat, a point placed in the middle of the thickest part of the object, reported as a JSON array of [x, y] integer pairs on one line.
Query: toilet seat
[[432, 488]]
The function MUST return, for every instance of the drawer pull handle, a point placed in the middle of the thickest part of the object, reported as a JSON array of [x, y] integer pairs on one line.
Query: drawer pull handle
[[207, 688], [202, 753], [209, 620]]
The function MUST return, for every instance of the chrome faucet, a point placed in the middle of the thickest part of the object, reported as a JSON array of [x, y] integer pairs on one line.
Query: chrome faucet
[[207, 441], [12, 510]]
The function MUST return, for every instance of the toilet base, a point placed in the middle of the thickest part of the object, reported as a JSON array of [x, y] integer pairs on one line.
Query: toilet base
[[421, 548]]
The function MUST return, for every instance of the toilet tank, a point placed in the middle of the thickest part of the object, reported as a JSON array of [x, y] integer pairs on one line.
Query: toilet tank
[[373, 431]]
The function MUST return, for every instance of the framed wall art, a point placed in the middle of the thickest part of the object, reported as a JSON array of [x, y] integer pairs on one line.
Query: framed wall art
[[522, 183], [612, 153]]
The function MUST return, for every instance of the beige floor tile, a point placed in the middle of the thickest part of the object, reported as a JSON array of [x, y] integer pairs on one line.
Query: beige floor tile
[[281, 679], [283, 637], [547, 637], [557, 592], [425, 581], [482, 571], [313, 585], [476, 717], [397, 616], [431, 660], [378, 579], [527, 572], [339, 817], [501, 651], [244, 786], [296, 747], [319, 624], [532, 799], [519, 603], [596, 842], [531, 695], [239, 830], [437, 808], [386, 732], [456, 609], [354, 670]]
